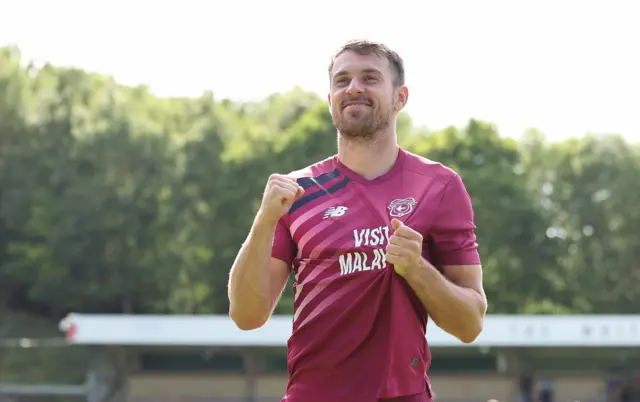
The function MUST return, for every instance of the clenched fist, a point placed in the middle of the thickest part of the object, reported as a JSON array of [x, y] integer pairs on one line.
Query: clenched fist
[[279, 194], [404, 250]]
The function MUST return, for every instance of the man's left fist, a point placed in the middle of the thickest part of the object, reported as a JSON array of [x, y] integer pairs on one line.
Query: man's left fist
[[404, 250]]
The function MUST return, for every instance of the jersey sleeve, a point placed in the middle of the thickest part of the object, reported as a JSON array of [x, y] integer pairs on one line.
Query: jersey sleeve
[[452, 234], [283, 246]]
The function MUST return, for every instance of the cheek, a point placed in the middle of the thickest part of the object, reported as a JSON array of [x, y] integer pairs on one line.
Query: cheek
[[384, 100], [334, 102], [383, 104]]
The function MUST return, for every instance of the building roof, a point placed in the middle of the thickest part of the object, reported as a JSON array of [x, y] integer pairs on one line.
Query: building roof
[[219, 330]]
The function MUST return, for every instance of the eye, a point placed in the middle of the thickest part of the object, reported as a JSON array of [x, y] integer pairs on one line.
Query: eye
[[370, 78], [342, 81]]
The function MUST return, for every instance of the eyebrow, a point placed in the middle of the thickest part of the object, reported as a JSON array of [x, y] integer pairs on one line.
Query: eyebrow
[[366, 70]]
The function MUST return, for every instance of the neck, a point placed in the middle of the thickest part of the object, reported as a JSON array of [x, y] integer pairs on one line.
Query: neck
[[370, 159]]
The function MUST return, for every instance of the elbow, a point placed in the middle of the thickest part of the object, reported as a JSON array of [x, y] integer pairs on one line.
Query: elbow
[[470, 332], [466, 331], [247, 322], [474, 325], [248, 325], [469, 337]]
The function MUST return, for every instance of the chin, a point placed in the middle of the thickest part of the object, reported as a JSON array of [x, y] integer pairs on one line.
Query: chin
[[357, 113], [352, 134]]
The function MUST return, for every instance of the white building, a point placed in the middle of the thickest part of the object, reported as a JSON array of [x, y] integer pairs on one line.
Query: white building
[[181, 357]]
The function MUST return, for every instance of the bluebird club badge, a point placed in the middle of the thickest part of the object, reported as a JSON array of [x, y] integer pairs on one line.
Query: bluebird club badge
[[400, 208]]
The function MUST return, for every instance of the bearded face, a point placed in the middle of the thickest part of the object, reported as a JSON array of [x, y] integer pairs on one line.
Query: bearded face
[[362, 97], [362, 116]]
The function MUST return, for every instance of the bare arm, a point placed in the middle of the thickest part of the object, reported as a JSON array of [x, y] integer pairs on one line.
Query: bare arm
[[256, 280], [456, 301]]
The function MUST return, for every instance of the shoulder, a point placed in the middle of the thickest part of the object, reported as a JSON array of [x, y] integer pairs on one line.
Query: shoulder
[[419, 165], [324, 166], [321, 172]]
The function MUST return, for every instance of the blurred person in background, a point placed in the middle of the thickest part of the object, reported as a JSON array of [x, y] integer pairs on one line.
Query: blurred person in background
[[526, 388], [546, 392]]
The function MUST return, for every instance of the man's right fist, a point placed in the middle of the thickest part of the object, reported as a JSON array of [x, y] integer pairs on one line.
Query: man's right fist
[[279, 194]]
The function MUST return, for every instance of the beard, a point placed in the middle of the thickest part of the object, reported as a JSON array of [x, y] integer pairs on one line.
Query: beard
[[362, 123]]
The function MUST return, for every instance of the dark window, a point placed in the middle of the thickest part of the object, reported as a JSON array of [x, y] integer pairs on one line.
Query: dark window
[[275, 363], [193, 362], [460, 364]]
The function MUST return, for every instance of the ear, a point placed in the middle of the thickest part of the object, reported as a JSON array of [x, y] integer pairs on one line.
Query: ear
[[329, 100], [402, 96]]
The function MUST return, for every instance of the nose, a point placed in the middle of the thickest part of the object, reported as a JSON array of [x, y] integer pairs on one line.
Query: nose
[[355, 87]]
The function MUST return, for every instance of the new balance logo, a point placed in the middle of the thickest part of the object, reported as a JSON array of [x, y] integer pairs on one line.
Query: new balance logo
[[334, 212]]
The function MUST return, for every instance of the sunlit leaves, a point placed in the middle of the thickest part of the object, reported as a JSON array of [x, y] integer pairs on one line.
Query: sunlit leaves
[[115, 200]]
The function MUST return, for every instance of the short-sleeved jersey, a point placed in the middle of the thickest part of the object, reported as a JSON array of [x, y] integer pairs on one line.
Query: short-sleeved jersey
[[359, 330]]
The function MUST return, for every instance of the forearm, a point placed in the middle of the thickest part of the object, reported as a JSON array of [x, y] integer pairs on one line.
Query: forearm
[[457, 310], [249, 279]]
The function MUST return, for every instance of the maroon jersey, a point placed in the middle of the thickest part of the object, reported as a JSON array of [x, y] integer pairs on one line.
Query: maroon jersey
[[359, 330]]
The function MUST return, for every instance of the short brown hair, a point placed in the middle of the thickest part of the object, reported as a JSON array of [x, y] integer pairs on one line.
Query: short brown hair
[[366, 47]]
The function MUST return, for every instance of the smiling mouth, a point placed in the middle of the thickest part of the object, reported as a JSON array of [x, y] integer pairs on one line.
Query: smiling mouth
[[356, 104]]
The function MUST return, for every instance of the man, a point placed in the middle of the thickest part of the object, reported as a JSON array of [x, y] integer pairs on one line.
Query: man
[[378, 240]]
